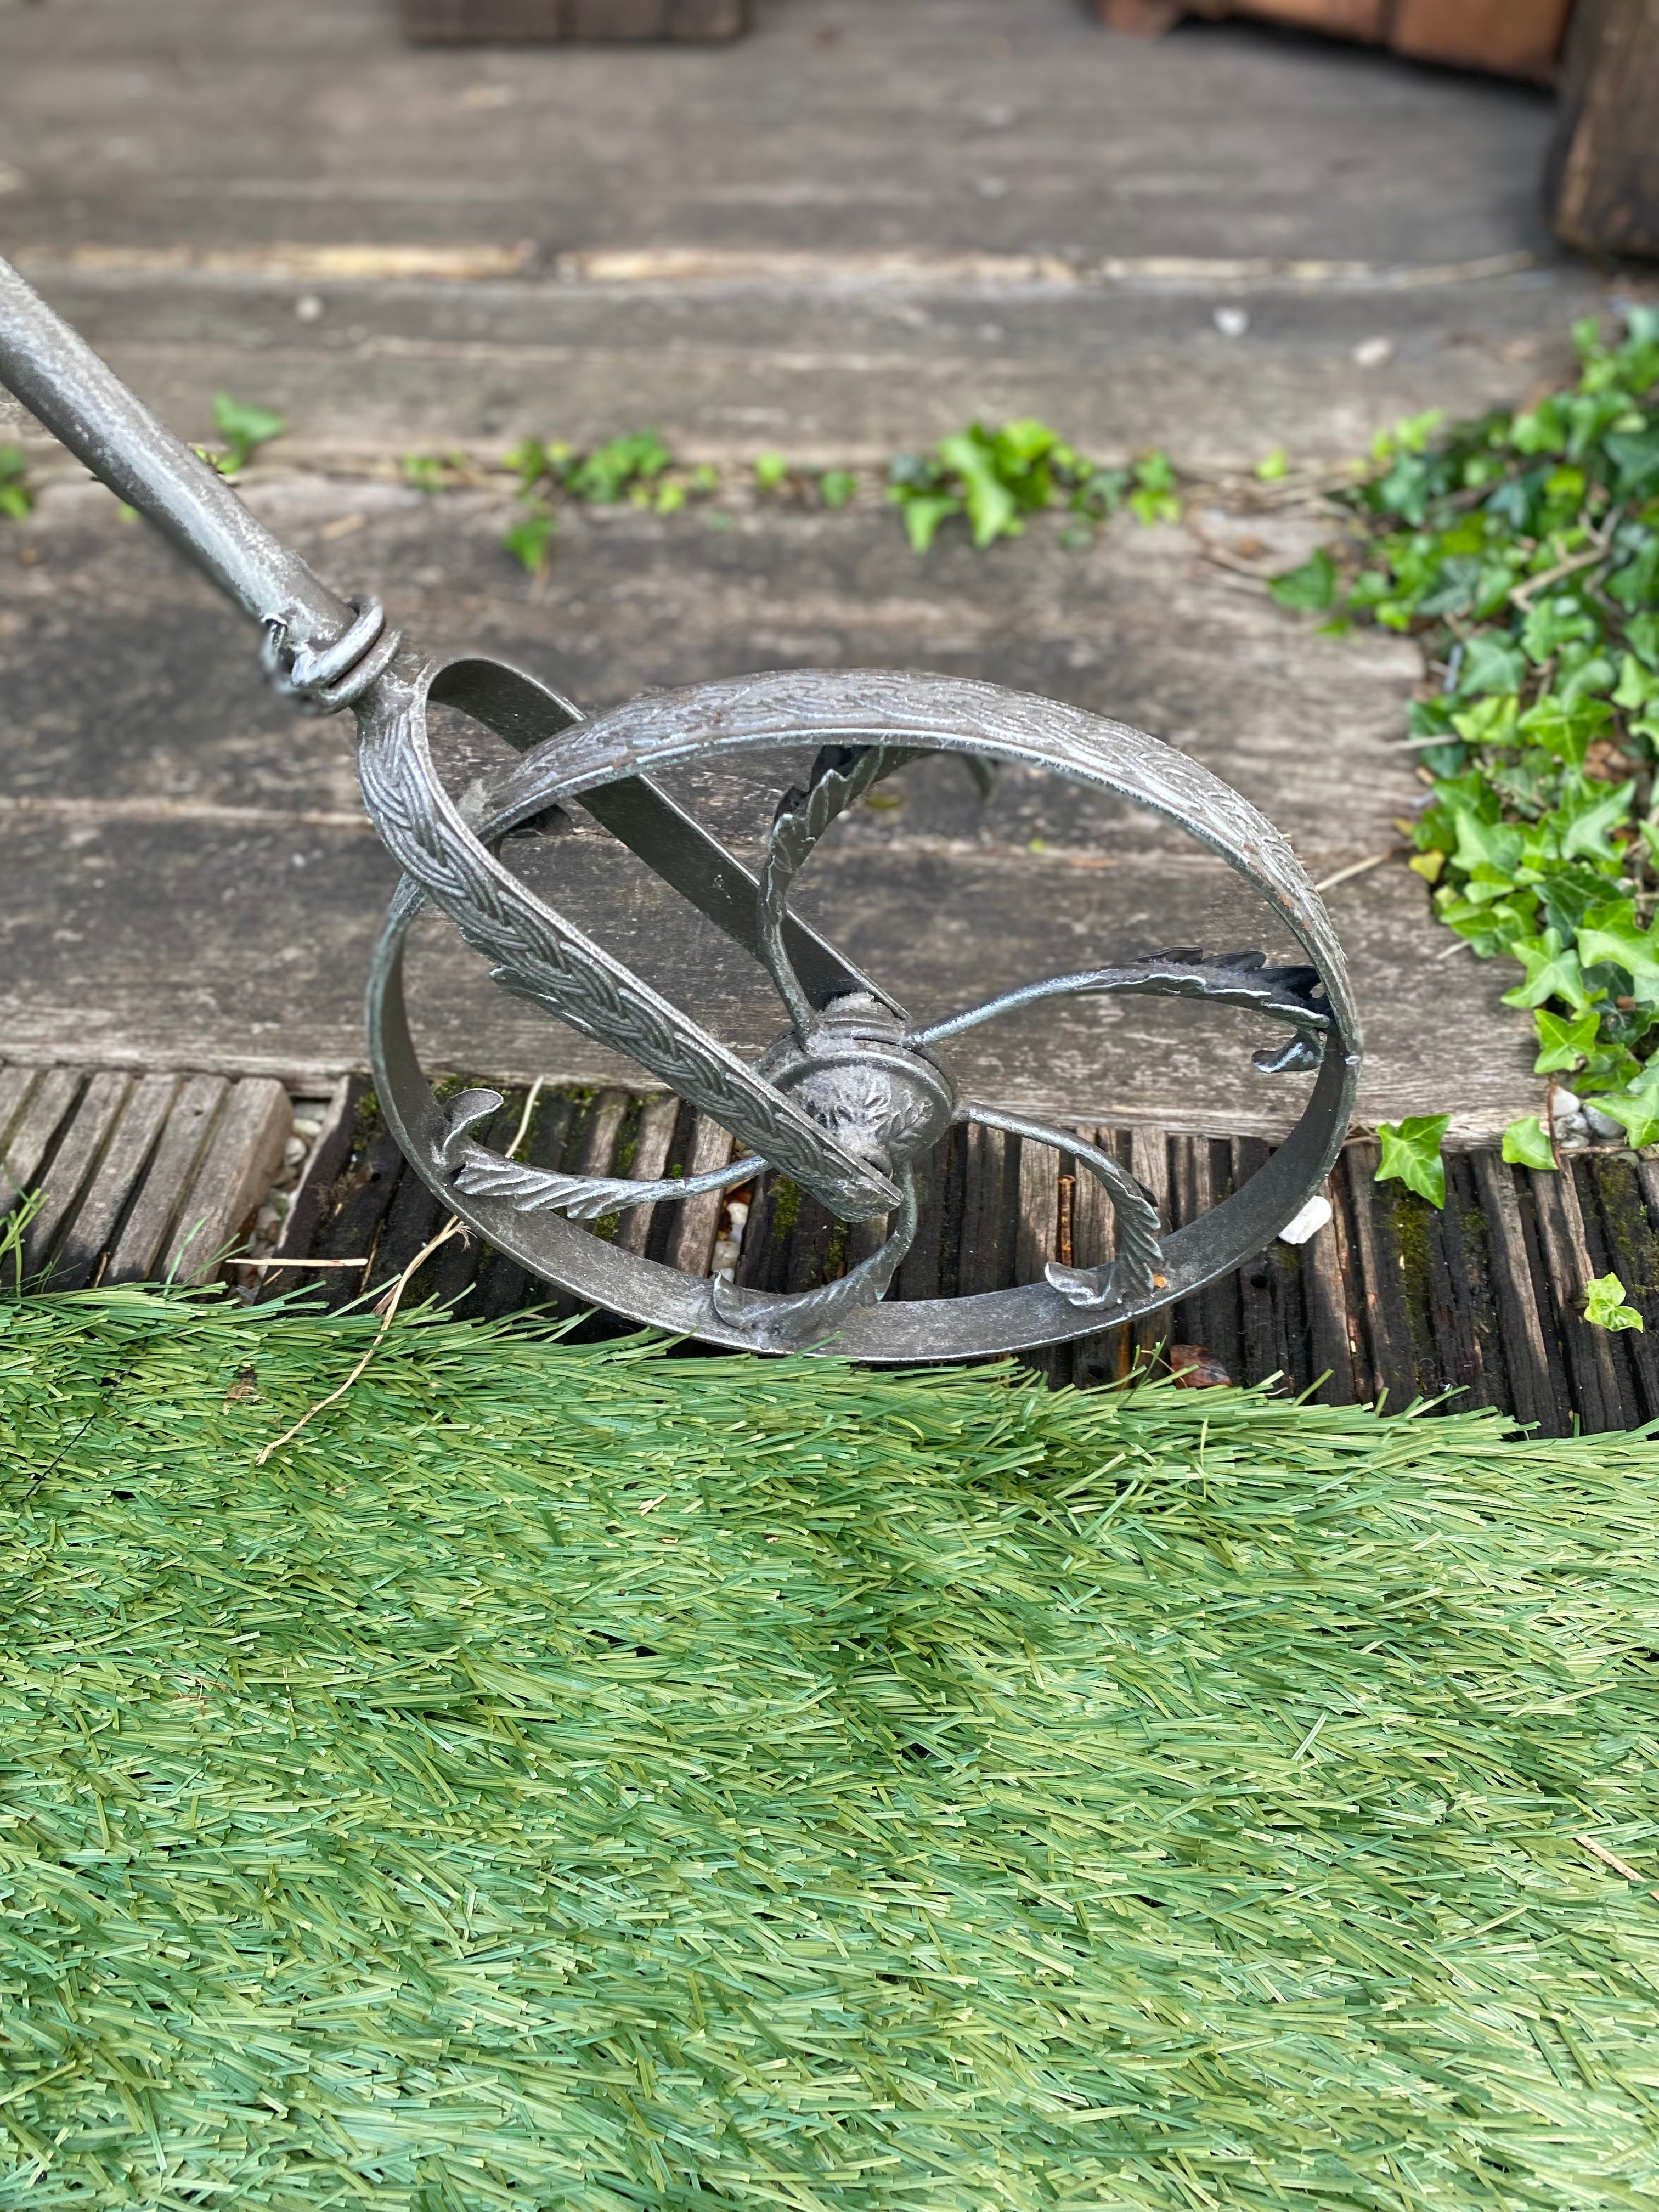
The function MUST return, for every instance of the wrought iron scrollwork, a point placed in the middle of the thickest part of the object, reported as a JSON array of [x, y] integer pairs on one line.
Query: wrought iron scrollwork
[[870, 1083], [851, 1095]]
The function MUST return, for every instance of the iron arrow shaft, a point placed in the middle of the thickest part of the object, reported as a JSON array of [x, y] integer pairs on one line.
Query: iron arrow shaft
[[85, 406]]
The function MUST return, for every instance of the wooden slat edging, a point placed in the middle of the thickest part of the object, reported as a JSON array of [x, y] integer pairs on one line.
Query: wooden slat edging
[[32, 1129], [1330, 1347], [691, 1241], [1532, 1394], [1633, 1251], [1561, 1238], [981, 1264], [1392, 1363], [74, 1164], [1038, 1220], [144, 1235], [242, 1160], [328, 1156], [1353, 1299], [15, 1085], [656, 1135], [85, 1238], [598, 1141]]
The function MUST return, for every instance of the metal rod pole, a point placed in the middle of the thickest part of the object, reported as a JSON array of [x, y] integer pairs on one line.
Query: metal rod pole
[[82, 401]]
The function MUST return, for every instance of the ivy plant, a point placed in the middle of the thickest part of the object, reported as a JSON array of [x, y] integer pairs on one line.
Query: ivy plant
[[1522, 549], [1411, 1154], [995, 478]]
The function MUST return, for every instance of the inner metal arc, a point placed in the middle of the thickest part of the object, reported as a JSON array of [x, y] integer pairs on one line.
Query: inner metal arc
[[840, 774], [1136, 1270], [1154, 977]]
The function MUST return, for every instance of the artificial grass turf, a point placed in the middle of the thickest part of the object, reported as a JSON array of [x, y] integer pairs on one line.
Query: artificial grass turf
[[571, 1777]]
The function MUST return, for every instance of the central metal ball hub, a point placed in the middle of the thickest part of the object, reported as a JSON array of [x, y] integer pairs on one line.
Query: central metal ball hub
[[885, 1101]]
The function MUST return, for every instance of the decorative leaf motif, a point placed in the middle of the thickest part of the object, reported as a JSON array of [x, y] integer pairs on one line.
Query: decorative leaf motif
[[840, 774]]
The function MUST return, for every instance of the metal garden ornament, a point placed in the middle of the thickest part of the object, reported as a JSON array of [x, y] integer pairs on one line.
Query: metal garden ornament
[[853, 1092]]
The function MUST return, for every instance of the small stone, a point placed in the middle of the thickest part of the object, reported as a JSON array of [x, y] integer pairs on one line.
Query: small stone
[[1307, 1222], [1232, 322], [308, 307], [1371, 353]]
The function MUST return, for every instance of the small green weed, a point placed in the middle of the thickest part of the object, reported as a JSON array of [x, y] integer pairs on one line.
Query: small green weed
[[638, 469], [995, 478], [16, 500], [1605, 1307], [243, 428]]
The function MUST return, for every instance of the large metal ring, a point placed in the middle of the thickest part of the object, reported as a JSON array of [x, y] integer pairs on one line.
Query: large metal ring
[[607, 763]]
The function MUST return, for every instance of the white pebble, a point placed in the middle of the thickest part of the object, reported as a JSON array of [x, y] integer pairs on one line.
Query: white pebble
[[1301, 1226], [308, 307], [1232, 322], [1371, 353]]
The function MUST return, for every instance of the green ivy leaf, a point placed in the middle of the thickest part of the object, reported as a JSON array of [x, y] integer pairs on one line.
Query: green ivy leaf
[[922, 517], [1637, 1111], [1411, 1154], [1552, 622], [245, 428], [1587, 817], [770, 470], [1563, 1044], [1553, 972], [1637, 460], [1613, 937], [531, 537], [1566, 730], [1527, 1144], [993, 510], [1309, 589], [1490, 664], [1605, 1307]]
